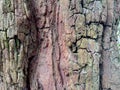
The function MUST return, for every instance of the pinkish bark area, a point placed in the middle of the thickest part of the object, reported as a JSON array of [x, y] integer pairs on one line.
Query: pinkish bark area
[[53, 57]]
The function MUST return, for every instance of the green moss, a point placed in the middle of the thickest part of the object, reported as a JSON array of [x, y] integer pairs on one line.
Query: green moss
[[118, 59], [7, 40], [7, 6], [7, 43]]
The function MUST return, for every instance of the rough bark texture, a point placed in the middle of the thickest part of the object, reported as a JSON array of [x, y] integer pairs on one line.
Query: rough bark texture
[[59, 45]]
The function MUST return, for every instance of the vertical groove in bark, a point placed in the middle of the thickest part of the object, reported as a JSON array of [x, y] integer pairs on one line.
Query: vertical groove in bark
[[54, 43]]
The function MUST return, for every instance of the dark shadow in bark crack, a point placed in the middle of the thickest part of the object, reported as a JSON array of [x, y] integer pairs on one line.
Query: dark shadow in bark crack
[[33, 38]]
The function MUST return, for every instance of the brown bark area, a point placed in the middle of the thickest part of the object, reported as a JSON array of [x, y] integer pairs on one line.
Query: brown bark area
[[59, 45]]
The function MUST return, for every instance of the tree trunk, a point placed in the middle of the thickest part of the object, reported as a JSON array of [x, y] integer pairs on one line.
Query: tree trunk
[[59, 45]]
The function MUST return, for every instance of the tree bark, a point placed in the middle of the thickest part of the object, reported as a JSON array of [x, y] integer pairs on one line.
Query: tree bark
[[59, 45]]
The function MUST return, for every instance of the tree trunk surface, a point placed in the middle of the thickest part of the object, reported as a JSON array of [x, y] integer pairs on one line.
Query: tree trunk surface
[[59, 45]]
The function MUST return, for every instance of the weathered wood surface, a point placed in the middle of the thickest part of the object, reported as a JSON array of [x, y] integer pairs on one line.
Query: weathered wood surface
[[59, 45]]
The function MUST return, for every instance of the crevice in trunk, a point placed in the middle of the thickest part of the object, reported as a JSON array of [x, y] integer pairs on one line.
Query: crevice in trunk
[[32, 56], [100, 75]]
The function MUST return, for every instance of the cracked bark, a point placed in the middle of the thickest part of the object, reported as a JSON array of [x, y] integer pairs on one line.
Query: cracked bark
[[59, 45]]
